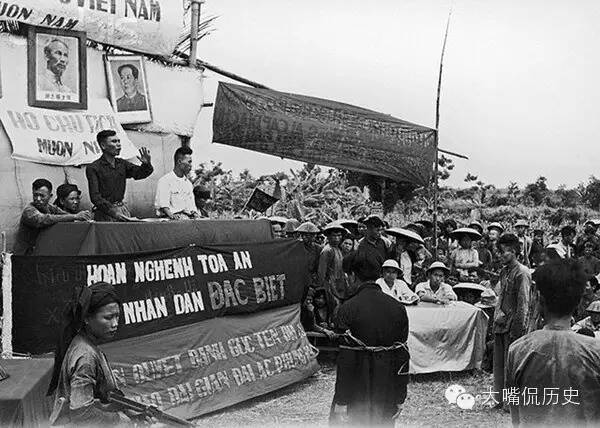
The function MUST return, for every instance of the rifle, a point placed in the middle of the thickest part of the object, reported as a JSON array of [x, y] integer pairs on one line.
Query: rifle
[[146, 410]]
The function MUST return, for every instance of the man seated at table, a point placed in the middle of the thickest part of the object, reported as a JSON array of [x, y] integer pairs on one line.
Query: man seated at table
[[68, 198], [174, 191], [40, 214], [468, 292], [392, 286], [435, 290]]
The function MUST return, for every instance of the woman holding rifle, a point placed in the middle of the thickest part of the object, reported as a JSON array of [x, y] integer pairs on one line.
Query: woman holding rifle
[[82, 377]]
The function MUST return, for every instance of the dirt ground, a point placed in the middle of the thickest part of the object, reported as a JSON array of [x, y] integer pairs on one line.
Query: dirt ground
[[307, 404]]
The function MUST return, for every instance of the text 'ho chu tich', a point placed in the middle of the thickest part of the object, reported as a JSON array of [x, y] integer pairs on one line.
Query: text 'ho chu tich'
[[184, 288]]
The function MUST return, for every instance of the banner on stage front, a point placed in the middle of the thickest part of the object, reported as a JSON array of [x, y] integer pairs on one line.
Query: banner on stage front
[[323, 132], [158, 291], [199, 368], [149, 26], [56, 137]]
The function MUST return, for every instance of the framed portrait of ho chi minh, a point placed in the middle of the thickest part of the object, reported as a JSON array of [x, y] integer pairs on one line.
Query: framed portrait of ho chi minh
[[56, 68], [128, 88]]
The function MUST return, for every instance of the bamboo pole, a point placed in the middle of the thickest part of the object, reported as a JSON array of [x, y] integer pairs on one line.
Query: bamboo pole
[[194, 32], [437, 138]]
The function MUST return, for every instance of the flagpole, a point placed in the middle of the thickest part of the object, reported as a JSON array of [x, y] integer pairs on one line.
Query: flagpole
[[437, 141]]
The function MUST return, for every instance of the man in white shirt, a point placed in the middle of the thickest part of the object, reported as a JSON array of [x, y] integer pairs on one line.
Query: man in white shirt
[[436, 290], [174, 192], [392, 286]]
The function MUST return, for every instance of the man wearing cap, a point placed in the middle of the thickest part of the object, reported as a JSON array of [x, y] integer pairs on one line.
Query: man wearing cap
[[589, 235], [511, 316], [307, 233], [373, 361], [555, 360], [435, 290], [521, 227], [68, 197], [331, 275], [392, 286], [277, 225], [564, 247], [372, 248]]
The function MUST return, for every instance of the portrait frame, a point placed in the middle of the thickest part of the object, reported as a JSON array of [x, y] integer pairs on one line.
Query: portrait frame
[[42, 87], [125, 69]]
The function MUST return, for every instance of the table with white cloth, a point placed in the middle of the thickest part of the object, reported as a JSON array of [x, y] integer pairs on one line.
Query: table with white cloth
[[446, 337]]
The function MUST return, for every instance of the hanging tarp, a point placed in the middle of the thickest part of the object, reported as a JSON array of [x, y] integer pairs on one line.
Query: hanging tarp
[[149, 26], [323, 132]]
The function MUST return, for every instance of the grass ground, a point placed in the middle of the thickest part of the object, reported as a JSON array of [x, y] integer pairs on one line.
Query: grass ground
[[307, 404]]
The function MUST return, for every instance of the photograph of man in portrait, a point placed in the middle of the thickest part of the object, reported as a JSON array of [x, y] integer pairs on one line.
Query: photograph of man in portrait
[[128, 88], [132, 98], [57, 69]]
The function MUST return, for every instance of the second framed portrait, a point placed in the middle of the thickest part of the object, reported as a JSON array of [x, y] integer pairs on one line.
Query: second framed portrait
[[57, 68], [128, 88]]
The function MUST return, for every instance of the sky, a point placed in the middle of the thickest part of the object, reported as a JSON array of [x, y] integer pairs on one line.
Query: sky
[[519, 92]]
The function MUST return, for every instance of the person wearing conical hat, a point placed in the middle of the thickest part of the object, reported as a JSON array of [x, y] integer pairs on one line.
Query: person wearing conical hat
[[465, 257], [435, 290], [307, 232], [392, 286], [330, 273], [592, 321]]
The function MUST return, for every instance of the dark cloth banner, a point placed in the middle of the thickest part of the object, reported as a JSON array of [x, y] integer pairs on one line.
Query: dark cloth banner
[[159, 290], [324, 132], [198, 368], [260, 201], [99, 238]]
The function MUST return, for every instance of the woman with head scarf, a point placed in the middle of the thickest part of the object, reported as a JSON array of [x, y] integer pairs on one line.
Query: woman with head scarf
[[82, 377]]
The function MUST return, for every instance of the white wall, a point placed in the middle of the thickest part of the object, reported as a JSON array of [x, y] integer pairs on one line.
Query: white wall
[[176, 96]]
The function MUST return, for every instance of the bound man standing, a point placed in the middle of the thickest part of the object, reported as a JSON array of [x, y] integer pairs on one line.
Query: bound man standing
[[107, 177], [39, 214], [372, 365], [174, 192], [511, 316]]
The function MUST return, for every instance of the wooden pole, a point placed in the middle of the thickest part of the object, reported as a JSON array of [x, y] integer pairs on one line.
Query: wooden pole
[[437, 137], [194, 32]]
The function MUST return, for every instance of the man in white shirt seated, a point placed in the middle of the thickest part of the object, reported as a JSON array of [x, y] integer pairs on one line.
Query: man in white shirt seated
[[175, 192], [436, 290], [392, 286]]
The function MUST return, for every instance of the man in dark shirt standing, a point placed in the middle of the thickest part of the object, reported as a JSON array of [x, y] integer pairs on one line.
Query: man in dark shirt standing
[[372, 249], [372, 366], [107, 178], [40, 214]]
